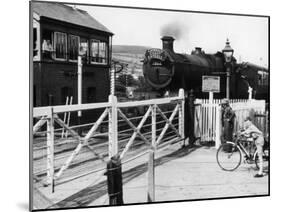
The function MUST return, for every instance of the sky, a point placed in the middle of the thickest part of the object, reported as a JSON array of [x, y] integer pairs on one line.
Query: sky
[[248, 36]]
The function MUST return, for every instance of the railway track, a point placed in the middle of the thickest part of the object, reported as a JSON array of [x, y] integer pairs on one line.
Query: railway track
[[85, 160]]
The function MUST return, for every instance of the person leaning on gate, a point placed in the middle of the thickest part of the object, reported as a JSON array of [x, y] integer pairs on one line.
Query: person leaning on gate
[[228, 117]]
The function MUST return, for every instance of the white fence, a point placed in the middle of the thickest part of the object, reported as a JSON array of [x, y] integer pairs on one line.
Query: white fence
[[208, 117], [160, 125]]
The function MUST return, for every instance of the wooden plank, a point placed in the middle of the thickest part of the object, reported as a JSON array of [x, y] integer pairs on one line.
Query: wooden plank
[[68, 117], [151, 156], [136, 131], [167, 124], [181, 116], [64, 117], [169, 121], [69, 160], [50, 151], [112, 127], [63, 125], [43, 111], [148, 102], [151, 177], [39, 124], [96, 125]]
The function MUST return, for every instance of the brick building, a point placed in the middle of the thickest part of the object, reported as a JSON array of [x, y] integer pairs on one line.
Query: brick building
[[59, 32]]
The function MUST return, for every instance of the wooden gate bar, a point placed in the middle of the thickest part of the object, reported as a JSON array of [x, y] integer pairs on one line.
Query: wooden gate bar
[[112, 127], [151, 166], [44, 111], [63, 125], [69, 160], [96, 125], [50, 116], [74, 153], [39, 124], [136, 131], [82, 141], [68, 116], [64, 117], [50, 149], [181, 116], [169, 121]]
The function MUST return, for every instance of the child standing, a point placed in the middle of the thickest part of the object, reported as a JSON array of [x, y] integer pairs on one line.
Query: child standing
[[253, 131]]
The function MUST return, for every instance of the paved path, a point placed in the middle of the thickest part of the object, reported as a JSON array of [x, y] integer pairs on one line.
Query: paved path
[[181, 174], [189, 175]]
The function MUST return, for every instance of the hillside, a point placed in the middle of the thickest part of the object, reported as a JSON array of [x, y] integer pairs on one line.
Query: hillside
[[131, 55], [129, 49]]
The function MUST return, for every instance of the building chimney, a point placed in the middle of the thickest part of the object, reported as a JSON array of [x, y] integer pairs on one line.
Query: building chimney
[[168, 43]]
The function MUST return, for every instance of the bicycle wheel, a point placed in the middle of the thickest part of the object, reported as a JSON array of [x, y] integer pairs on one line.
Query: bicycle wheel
[[229, 156], [265, 158]]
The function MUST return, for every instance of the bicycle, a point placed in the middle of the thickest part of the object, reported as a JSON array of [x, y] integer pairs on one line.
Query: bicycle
[[229, 154]]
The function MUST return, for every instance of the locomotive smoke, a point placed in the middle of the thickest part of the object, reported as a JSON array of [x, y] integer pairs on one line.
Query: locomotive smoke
[[173, 29]]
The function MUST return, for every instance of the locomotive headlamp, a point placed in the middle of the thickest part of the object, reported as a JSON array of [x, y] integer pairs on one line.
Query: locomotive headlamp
[[227, 51]]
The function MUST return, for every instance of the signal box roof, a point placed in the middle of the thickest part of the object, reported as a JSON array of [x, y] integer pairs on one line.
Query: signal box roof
[[65, 13]]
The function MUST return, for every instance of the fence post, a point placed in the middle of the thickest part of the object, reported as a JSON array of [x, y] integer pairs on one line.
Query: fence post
[[50, 149], [114, 168], [113, 127], [181, 116], [218, 126], [151, 166], [79, 90], [250, 91]]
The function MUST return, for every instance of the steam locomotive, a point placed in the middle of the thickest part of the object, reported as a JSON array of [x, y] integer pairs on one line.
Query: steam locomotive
[[166, 70]]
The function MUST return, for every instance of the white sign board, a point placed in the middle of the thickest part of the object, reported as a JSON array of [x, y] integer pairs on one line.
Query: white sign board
[[211, 84]]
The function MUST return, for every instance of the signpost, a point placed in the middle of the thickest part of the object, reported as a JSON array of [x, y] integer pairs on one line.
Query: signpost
[[211, 84]]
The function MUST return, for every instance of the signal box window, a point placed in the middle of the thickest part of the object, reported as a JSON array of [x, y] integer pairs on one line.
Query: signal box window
[[73, 43], [47, 44], [60, 44], [36, 43], [84, 48], [98, 52]]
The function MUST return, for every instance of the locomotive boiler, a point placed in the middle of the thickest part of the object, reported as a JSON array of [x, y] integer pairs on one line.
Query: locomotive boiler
[[166, 70]]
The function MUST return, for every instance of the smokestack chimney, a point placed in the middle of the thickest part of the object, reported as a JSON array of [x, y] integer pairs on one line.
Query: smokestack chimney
[[198, 50], [168, 43]]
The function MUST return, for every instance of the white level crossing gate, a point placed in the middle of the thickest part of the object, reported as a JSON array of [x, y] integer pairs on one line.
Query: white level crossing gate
[[153, 125], [129, 130]]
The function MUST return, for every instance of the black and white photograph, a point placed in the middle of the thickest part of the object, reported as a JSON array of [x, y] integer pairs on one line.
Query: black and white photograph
[[133, 105]]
